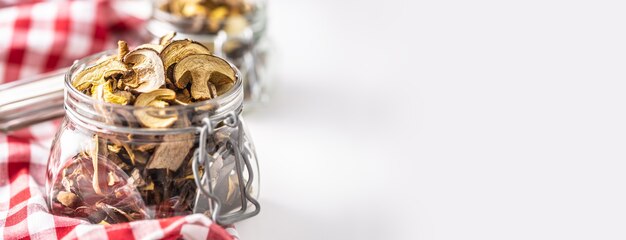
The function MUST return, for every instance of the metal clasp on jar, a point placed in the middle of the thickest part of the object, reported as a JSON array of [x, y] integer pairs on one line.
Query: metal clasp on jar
[[207, 200]]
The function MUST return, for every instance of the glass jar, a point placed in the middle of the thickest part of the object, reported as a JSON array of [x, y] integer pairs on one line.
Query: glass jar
[[104, 167], [241, 39]]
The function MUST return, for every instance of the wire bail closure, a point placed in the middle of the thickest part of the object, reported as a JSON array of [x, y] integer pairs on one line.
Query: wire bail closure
[[205, 197]]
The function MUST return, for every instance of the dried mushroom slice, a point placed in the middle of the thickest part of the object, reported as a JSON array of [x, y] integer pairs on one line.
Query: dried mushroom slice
[[155, 99], [122, 50], [129, 97], [167, 39], [147, 68], [104, 92], [176, 6], [98, 148], [98, 73], [158, 104], [176, 51], [160, 94], [156, 47], [193, 10], [216, 17], [204, 70], [149, 120], [183, 97], [235, 24]]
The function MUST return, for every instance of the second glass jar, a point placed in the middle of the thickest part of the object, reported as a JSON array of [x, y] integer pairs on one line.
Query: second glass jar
[[233, 29]]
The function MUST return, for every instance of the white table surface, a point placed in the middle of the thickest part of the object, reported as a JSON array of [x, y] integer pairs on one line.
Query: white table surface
[[444, 120]]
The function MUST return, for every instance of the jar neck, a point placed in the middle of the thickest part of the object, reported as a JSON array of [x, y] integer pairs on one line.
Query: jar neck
[[96, 115]]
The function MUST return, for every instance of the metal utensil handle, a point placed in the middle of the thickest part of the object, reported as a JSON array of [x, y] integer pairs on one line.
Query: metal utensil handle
[[31, 100]]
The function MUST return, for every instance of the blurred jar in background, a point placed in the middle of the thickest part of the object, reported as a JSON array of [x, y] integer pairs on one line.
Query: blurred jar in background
[[233, 29]]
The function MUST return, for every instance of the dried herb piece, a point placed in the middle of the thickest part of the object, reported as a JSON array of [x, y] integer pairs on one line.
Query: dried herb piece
[[171, 153], [117, 201], [68, 199], [96, 150]]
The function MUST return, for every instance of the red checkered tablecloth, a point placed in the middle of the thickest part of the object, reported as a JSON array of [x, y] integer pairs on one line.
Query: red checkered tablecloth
[[37, 37]]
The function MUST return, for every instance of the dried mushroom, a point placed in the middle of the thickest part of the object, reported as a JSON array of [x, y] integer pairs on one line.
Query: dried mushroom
[[122, 50], [145, 99], [177, 50], [183, 97], [127, 96], [122, 78], [236, 24], [156, 47], [156, 99], [212, 15], [209, 75], [98, 73], [167, 38], [147, 68], [104, 92]]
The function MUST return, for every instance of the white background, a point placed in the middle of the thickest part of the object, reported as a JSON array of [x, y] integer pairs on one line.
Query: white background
[[444, 120]]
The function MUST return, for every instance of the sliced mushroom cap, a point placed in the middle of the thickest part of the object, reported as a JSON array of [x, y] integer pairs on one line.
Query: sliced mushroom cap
[[204, 70], [175, 7], [97, 73], [158, 104], [148, 120], [148, 68], [216, 17], [155, 99], [156, 47], [193, 9], [176, 51], [145, 99]]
